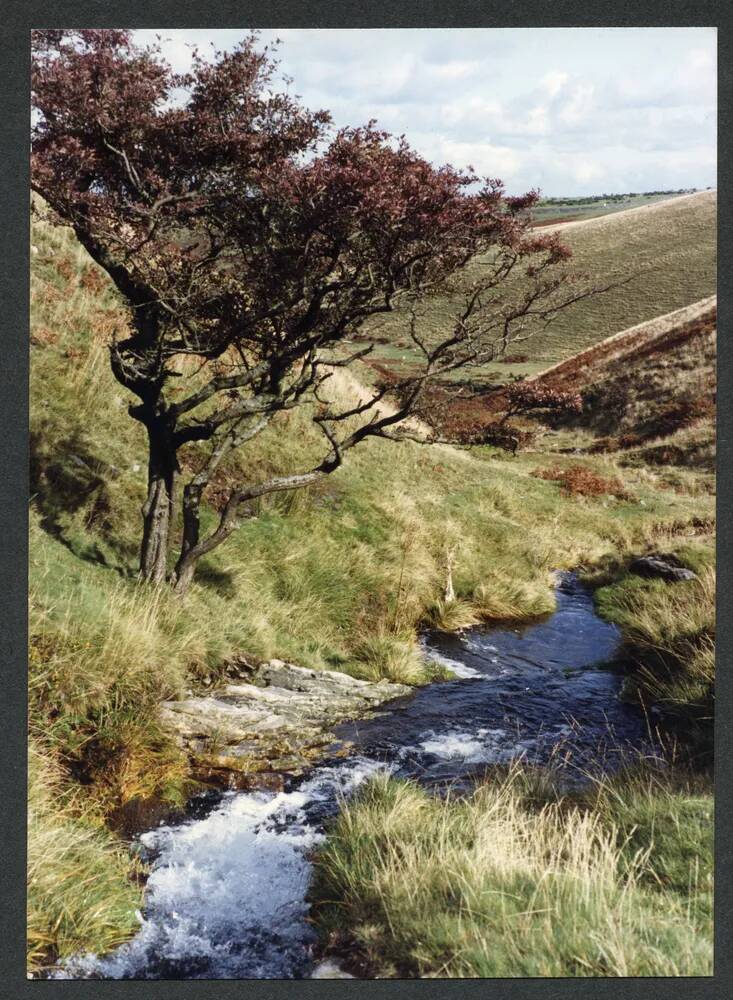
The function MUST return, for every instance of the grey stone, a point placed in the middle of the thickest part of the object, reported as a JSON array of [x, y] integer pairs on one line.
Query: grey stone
[[280, 712], [660, 567], [328, 969]]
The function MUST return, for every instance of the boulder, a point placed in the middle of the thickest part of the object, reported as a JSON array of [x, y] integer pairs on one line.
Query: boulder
[[661, 567], [328, 969]]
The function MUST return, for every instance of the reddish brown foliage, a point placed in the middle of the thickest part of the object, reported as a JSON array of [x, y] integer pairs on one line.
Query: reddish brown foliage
[[577, 480], [521, 397], [43, 337], [65, 268]]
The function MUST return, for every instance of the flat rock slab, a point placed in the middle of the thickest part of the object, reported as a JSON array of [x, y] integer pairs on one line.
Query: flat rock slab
[[277, 720]]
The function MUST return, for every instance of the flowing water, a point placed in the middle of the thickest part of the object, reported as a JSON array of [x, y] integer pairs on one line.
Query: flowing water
[[226, 898]]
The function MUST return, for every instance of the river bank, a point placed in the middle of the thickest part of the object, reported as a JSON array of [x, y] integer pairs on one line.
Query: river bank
[[633, 851], [518, 879], [434, 747]]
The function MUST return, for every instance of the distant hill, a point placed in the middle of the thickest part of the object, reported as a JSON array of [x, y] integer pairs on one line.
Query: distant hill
[[553, 210], [669, 248]]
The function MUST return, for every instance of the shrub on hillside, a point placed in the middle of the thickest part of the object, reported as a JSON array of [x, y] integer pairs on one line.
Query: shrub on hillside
[[577, 480], [521, 397]]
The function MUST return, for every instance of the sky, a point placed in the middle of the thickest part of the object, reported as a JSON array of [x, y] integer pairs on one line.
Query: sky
[[572, 111]]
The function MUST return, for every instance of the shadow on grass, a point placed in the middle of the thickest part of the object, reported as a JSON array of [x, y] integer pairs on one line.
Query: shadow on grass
[[67, 477], [219, 580]]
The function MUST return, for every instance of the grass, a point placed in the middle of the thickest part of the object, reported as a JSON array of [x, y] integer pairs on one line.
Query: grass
[[81, 890], [692, 446], [340, 576], [517, 881], [671, 252], [669, 635]]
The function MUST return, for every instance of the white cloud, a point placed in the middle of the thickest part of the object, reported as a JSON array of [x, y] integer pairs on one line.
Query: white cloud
[[538, 120], [485, 158], [580, 105], [554, 82], [586, 170], [474, 112], [568, 110], [457, 69], [701, 59]]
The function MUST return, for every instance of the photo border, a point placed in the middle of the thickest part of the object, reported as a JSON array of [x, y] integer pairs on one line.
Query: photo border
[[18, 18]]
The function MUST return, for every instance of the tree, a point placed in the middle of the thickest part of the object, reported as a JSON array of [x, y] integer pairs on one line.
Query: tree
[[243, 232]]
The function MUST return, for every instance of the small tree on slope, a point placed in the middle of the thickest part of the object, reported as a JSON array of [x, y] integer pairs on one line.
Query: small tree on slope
[[243, 233]]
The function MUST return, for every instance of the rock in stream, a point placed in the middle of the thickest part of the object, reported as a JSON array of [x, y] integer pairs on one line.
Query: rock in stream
[[245, 734]]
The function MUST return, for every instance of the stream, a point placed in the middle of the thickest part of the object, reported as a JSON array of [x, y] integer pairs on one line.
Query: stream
[[227, 894]]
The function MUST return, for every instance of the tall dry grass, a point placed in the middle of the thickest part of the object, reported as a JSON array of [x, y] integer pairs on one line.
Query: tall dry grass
[[82, 893], [495, 886]]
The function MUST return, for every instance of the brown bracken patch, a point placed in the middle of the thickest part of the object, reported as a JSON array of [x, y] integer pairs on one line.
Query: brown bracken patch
[[576, 480]]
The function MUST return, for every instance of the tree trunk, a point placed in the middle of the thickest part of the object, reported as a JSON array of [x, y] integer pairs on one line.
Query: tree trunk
[[158, 508], [183, 575], [193, 548]]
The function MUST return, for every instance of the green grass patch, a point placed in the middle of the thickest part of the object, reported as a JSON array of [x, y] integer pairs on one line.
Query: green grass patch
[[669, 635], [516, 882]]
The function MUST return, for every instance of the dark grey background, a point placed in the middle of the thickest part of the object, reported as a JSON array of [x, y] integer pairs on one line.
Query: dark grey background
[[16, 20]]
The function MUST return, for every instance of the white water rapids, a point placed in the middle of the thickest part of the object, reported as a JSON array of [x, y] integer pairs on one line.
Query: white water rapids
[[226, 897]]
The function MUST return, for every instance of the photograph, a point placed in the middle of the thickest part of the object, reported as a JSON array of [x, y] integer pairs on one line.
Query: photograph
[[372, 506]]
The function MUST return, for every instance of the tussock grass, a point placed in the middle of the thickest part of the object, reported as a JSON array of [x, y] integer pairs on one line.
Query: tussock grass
[[81, 889], [669, 632], [501, 597], [501, 884], [387, 657], [452, 616]]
